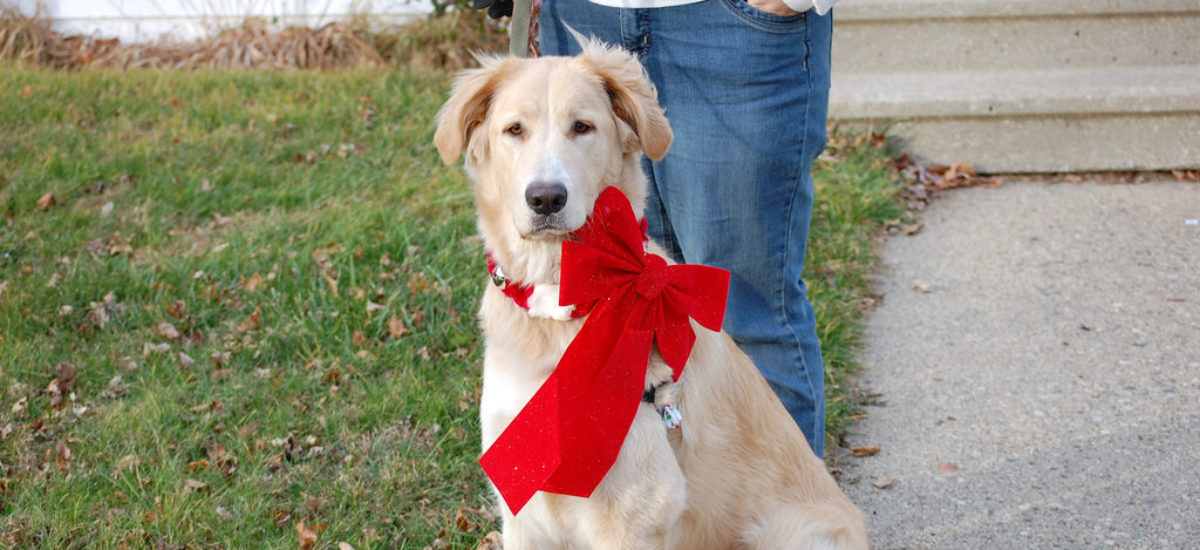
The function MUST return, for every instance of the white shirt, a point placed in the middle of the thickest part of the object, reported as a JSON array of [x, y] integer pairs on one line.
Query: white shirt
[[822, 6]]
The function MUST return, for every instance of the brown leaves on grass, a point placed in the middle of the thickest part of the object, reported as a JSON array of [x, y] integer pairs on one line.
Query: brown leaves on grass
[[60, 388], [219, 359], [397, 328], [176, 309], [249, 429], [252, 322], [194, 486], [462, 522], [493, 541], [255, 283], [99, 313], [113, 245], [62, 455], [308, 535], [46, 202], [166, 330]]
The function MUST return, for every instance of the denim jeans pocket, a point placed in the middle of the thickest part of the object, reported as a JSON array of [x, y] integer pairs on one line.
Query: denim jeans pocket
[[762, 20]]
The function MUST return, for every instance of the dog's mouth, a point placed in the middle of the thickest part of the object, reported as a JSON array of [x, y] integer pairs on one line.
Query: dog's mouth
[[551, 227]]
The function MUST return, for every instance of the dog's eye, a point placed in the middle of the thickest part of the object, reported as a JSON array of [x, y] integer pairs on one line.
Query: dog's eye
[[514, 129], [582, 127]]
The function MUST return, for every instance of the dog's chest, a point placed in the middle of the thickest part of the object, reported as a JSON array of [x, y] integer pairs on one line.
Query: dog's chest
[[519, 354]]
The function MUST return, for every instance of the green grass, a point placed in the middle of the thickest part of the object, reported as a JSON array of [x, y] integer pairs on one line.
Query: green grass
[[318, 270], [856, 196]]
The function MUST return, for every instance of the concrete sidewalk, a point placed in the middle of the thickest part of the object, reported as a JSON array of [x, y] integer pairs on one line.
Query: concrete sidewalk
[[1044, 392]]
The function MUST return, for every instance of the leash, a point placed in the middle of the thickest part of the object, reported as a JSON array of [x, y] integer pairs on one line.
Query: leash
[[523, 28]]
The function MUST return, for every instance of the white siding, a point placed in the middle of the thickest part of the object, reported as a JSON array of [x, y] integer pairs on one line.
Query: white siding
[[145, 20]]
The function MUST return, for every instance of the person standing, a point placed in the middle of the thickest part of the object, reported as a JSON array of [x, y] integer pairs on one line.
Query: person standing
[[745, 85]]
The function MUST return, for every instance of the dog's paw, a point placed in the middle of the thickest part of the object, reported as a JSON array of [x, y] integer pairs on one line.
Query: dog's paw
[[543, 302], [493, 541]]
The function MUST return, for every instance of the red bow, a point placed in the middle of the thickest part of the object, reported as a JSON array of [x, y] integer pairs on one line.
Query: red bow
[[569, 433]]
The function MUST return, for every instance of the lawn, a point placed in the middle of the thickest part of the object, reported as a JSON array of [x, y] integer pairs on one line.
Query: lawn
[[237, 309]]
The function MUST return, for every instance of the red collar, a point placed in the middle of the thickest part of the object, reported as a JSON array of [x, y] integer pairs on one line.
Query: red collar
[[520, 292]]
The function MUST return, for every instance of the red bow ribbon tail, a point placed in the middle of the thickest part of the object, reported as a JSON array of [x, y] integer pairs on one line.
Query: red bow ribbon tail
[[568, 436]]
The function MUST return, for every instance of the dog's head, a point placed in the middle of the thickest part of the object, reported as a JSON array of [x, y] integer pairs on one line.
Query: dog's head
[[542, 138]]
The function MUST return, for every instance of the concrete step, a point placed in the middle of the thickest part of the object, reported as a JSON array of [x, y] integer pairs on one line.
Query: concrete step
[[1043, 120], [1025, 85], [941, 35]]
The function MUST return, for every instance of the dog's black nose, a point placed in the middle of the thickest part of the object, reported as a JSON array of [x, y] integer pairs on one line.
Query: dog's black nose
[[546, 198]]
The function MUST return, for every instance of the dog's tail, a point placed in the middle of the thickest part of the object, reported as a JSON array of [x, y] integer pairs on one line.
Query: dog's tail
[[808, 527]]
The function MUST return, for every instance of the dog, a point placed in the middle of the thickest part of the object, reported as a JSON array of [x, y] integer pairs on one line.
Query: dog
[[541, 139]]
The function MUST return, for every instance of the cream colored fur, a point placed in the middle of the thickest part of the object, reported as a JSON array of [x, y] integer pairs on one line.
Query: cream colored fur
[[738, 474]]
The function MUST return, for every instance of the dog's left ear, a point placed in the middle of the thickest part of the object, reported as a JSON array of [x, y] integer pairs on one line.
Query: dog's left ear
[[634, 99], [467, 107]]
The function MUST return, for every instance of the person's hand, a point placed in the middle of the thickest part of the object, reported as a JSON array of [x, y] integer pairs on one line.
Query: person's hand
[[773, 7], [495, 8]]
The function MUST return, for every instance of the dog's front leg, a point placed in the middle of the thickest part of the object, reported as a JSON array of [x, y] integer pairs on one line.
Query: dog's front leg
[[536, 528], [638, 505]]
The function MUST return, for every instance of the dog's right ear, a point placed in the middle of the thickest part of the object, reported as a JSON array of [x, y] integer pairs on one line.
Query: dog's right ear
[[467, 108]]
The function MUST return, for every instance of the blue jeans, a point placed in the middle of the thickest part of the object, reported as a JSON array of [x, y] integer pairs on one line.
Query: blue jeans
[[747, 94]]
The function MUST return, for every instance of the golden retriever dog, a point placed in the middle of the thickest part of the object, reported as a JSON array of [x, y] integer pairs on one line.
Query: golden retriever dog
[[541, 138]]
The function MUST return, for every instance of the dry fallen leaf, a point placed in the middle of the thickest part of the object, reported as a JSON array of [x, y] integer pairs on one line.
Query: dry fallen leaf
[[60, 388], [254, 283], [396, 327], [192, 485], [219, 358], [19, 407], [63, 452], [493, 541], [308, 537], [883, 483], [128, 462], [167, 330], [251, 323], [864, 450], [314, 504], [249, 429], [948, 468], [462, 523], [176, 309], [46, 202]]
